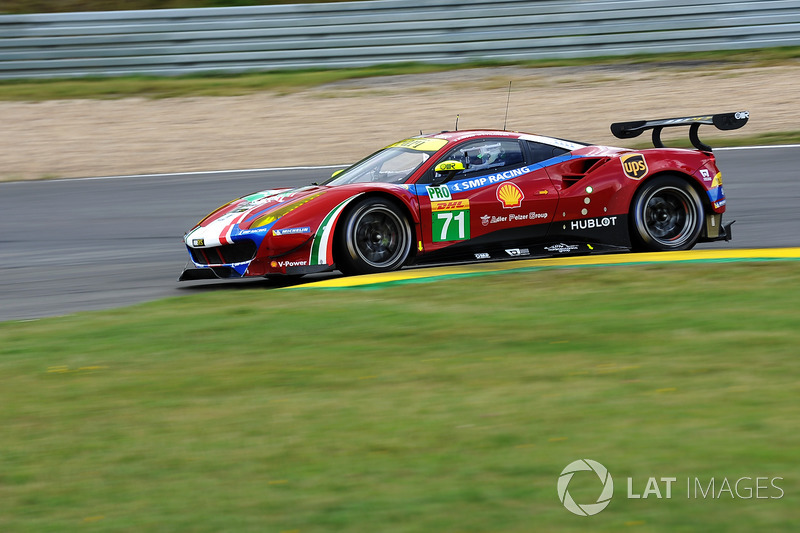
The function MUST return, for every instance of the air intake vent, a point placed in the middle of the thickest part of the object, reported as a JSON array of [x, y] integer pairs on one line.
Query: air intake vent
[[238, 252], [577, 169]]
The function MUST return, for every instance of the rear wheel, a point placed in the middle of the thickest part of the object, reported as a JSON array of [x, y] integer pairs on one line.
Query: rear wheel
[[375, 237], [667, 215]]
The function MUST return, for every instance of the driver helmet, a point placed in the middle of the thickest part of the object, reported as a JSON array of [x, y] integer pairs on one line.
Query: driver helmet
[[489, 155]]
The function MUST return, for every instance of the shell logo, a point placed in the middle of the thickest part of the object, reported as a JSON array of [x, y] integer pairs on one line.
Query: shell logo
[[510, 195]]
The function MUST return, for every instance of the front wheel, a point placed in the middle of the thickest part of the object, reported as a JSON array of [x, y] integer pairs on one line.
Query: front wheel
[[667, 215], [375, 237]]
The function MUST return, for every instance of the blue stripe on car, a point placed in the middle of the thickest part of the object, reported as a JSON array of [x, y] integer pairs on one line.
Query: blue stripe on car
[[716, 194], [486, 180]]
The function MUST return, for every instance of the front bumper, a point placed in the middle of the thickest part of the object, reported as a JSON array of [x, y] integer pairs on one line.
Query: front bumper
[[192, 273]]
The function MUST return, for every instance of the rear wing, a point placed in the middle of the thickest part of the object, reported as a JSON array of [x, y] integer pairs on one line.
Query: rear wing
[[722, 121]]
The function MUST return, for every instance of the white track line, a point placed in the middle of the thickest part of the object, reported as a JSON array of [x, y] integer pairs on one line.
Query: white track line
[[757, 147], [190, 173], [322, 167]]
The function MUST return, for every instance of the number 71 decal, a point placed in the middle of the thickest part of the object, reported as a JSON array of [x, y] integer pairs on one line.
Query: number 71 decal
[[450, 220]]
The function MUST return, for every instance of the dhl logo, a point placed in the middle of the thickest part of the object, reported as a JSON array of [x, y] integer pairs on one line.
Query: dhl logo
[[634, 166], [450, 205]]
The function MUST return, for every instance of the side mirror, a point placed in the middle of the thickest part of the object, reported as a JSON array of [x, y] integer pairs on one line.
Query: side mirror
[[446, 170], [449, 166], [337, 172]]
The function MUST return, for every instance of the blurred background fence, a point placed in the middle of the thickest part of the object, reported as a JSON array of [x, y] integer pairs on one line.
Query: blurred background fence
[[357, 34]]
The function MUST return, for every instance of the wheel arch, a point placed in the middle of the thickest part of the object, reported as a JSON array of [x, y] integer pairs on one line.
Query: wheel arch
[[413, 221], [677, 175], [691, 180]]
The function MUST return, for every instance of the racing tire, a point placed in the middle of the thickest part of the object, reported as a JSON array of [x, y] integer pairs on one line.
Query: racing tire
[[667, 215], [375, 237]]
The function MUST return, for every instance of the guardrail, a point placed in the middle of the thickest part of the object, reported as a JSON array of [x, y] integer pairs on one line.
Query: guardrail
[[357, 34]]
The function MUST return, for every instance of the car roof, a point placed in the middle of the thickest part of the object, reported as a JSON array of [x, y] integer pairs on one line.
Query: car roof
[[457, 136]]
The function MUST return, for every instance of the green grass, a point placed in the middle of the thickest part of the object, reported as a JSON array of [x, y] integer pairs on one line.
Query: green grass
[[763, 139], [284, 82], [281, 82], [445, 406]]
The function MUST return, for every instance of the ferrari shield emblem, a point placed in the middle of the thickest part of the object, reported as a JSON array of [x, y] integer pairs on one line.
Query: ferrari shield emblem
[[634, 166]]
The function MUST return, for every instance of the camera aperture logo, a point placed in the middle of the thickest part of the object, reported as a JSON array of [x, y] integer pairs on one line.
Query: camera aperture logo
[[586, 509], [659, 488]]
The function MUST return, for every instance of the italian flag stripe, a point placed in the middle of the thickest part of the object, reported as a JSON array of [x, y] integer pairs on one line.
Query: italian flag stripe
[[319, 248]]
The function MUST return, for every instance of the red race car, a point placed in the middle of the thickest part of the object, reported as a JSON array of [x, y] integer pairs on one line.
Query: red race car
[[474, 196]]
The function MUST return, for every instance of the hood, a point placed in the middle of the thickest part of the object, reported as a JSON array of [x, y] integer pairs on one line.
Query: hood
[[251, 215], [261, 208]]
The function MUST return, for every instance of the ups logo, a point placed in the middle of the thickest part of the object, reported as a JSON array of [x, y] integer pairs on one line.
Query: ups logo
[[634, 166]]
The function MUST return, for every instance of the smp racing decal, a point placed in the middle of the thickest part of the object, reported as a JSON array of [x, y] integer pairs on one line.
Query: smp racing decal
[[634, 166], [450, 220], [469, 184], [475, 183]]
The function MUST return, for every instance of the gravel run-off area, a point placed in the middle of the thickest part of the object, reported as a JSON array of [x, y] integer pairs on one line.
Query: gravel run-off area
[[342, 122]]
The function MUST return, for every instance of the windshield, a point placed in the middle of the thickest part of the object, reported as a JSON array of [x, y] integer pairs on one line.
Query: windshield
[[393, 164]]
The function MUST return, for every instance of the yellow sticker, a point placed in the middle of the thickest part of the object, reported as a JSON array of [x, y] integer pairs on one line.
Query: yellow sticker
[[717, 180], [450, 205], [448, 166], [422, 144], [272, 216]]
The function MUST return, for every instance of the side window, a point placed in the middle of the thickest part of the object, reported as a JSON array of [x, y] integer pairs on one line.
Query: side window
[[486, 155], [541, 152]]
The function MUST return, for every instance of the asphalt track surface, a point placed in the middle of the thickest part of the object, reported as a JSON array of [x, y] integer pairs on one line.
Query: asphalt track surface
[[98, 243]]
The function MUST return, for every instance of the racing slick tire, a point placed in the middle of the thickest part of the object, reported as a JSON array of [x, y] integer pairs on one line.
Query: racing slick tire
[[666, 215], [374, 237]]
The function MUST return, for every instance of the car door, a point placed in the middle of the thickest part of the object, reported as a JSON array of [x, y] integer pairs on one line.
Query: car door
[[497, 198]]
